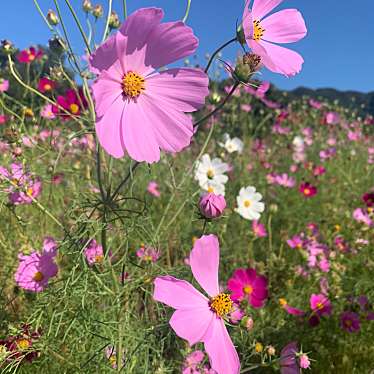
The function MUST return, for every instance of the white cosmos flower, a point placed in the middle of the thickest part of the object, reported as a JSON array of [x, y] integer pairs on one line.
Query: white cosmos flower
[[210, 173], [249, 203], [231, 144]]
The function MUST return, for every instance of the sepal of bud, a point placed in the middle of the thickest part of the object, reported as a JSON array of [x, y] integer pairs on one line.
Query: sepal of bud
[[98, 11], [52, 18]]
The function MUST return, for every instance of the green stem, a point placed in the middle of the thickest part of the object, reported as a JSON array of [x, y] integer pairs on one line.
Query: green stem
[[187, 11], [217, 51], [107, 20], [79, 25], [42, 15], [124, 9]]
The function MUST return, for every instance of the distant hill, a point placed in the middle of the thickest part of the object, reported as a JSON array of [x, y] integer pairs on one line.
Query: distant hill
[[363, 102]]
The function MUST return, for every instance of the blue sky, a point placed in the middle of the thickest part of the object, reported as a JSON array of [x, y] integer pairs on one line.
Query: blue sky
[[338, 50]]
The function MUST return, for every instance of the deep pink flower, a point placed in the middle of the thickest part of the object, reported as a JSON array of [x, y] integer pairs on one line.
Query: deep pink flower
[[94, 253], [320, 304], [27, 56], [133, 98], [4, 85], [246, 284], [72, 102], [198, 318], [211, 205], [35, 270], [285, 26], [307, 189], [46, 85], [152, 188], [259, 229], [3, 119], [350, 321], [319, 170], [368, 199], [291, 310]]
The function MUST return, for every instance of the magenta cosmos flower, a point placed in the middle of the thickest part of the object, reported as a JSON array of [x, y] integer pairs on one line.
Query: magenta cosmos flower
[[320, 304], [35, 270], [71, 102], [199, 318], [350, 321], [141, 110], [46, 85], [27, 56], [246, 284], [285, 26], [94, 253]]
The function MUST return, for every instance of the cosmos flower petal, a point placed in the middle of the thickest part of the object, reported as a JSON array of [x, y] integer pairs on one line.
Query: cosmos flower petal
[[261, 8], [204, 261], [183, 88], [222, 354], [178, 294], [108, 129], [133, 139], [281, 60], [286, 26], [104, 56], [192, 324]]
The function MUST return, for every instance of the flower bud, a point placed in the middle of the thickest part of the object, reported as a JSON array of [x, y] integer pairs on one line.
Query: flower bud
[[52, 18], [87, 6], [211, 205], [98, 11], [271, 350], [7, 46], [114, 22]]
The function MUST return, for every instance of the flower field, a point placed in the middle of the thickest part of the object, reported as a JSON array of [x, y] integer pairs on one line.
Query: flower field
[[157, 220]]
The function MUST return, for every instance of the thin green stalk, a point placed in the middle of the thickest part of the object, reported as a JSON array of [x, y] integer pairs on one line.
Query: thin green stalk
[[217, 51], [42, 15], [107, 21], [187, 11], [76, 19], [124, 9]]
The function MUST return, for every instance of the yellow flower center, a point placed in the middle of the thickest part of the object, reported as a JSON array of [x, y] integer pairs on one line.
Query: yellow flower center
[[247, 203], [133, 84], [38, 276], [29, 192], [320, 306], [210, 173], [210, 189], [74, 108], [99, 259], [348, 323], [282, 302], [31, 56], [29, 112], [113, 360], [23, 344], [258, 31], [248, 289], [47, 87], [221, 304], [259, 347], [307, 191]]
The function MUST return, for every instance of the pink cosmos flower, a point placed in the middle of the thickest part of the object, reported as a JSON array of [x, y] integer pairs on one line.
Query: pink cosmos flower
[[46, 85], [246, 107], [246, 284], [285, 26], [3, 119], [350, 321], [198, 318], [320, 304], [153, 189], [360, 216], [27, 56], [148, 254], [211, 205], [23, 186], [4, 85], [35, 270], [304, 361], [296, 242], [259, 229], [285, 180], [332, 118], [260, 92], [47, 112], [94, 253], [315, 104], [319, 170], [133, 98], [72, 103]]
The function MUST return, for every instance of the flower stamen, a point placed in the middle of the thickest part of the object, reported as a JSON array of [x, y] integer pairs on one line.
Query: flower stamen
[[221, 304], [133, 84], [258, 31]]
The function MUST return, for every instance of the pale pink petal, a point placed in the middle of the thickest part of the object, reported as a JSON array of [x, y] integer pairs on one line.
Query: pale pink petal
[[286, 26], [259, 50], [183, 88], [137, 135], [247, 21], [192, 324], [261, 8], [282, 60], [178, 294], [222, 354], [171, 128], [104, 56], [106, 91], [204, 261], [108, 129]]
